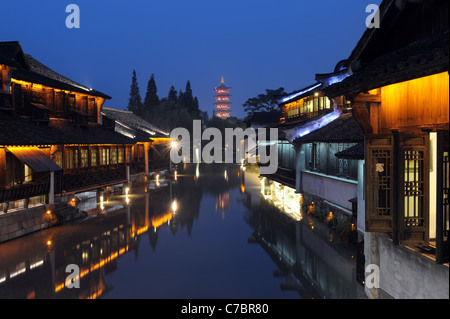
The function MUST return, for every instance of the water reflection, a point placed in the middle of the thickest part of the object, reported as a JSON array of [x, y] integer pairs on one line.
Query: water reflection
[[145, 237]]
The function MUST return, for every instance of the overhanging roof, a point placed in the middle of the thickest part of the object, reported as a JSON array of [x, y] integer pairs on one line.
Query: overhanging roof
[[35, 159]]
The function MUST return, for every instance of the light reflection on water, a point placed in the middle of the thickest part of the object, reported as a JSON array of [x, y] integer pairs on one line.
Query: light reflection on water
[[208, 234]]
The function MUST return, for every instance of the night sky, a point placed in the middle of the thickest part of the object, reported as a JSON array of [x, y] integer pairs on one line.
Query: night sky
[[254, 44]]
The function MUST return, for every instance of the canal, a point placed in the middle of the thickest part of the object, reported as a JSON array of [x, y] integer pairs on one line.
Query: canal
[[205, 233]]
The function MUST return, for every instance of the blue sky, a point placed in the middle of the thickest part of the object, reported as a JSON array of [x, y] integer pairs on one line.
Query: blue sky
[[254, 44]]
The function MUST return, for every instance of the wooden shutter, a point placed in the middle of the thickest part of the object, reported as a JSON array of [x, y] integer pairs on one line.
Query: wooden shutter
[[442, 207], [413, 195], [379, 183]]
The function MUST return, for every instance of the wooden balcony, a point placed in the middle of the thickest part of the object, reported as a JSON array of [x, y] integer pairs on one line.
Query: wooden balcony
[[82, 179], [27, 190]]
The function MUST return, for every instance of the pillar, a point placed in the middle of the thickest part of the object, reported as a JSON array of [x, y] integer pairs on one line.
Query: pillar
[[51, 194]]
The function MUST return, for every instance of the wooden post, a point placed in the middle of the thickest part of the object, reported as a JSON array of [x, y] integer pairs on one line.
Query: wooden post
[[146, 158], [51, 194]]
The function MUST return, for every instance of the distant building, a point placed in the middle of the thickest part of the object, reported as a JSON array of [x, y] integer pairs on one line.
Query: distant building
[[222, 101]]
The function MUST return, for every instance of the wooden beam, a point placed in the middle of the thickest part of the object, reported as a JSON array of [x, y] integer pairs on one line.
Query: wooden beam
[[368, 98], [361, 115]]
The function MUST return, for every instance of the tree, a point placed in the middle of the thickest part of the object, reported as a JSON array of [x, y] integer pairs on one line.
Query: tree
[[264, 102], [188, 99], [151, 97], [135, 101], [172, 97]]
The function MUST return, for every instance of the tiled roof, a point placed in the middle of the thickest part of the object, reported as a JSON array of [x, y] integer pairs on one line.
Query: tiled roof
[[134, 123], [344, 129], [297, 95], [16, 130], [11, 54], [93, 133], [31, 70], [354, 152], [39, 73], [422, 58]]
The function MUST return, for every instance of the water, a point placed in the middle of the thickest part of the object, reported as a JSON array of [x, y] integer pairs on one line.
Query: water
[[209, 234]]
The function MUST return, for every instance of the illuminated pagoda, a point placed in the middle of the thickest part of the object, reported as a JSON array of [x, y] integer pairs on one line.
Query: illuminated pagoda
[[222, 101]]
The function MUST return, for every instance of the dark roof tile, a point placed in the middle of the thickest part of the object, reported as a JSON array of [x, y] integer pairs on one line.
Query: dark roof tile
[[422, 58], [16, 130], [344, 129], [354, 152], [134, 123]]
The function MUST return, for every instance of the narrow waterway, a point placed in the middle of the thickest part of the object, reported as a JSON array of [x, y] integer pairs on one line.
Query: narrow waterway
[[205, 233]]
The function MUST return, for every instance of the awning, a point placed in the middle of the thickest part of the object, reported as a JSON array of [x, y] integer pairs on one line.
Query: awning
[[35, 159]]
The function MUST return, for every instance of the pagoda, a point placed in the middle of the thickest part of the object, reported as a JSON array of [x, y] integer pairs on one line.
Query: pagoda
[[222, 101]]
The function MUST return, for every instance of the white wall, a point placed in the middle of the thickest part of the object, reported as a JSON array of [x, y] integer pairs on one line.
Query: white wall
[[334, 189]]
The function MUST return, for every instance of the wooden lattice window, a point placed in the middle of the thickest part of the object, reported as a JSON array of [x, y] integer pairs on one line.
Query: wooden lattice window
[[379, 183], [413, 219]]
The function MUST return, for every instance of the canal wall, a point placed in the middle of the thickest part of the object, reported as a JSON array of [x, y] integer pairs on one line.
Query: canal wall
[[16, 224], [404, 273]]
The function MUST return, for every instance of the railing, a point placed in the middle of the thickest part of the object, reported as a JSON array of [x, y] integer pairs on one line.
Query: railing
[[283, 175], [137, 167], [11, 193], [86, 179]]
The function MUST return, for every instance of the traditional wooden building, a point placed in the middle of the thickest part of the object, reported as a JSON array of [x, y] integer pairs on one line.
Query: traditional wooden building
[[398, 90], [152, 149], [52, 143]]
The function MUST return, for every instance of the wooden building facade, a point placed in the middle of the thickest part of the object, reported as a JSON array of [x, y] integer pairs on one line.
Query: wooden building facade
[[53, 141], [398, 90]]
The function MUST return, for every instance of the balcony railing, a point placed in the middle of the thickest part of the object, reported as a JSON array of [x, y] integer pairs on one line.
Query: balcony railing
[[101, 176], [27, 190]]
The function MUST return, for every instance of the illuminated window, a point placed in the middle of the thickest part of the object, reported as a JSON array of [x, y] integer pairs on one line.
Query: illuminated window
[[28, 174], [84, 158], [72, 159], [104, 156], [58, 159], [114, 155], [121, 156], [36, 201], [75, 158], [94, 157]]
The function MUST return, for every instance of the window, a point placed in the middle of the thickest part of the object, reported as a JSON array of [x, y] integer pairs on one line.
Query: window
[[75, 158], [36, 201], [396, 187], [121, 155], [92, 110], [114, 155], [104, 156], [320, 157], [84, 160], [71, 101], [72, 158], [313, 158], [58, 158], [94, 157], [14, 170], [28, 174]]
